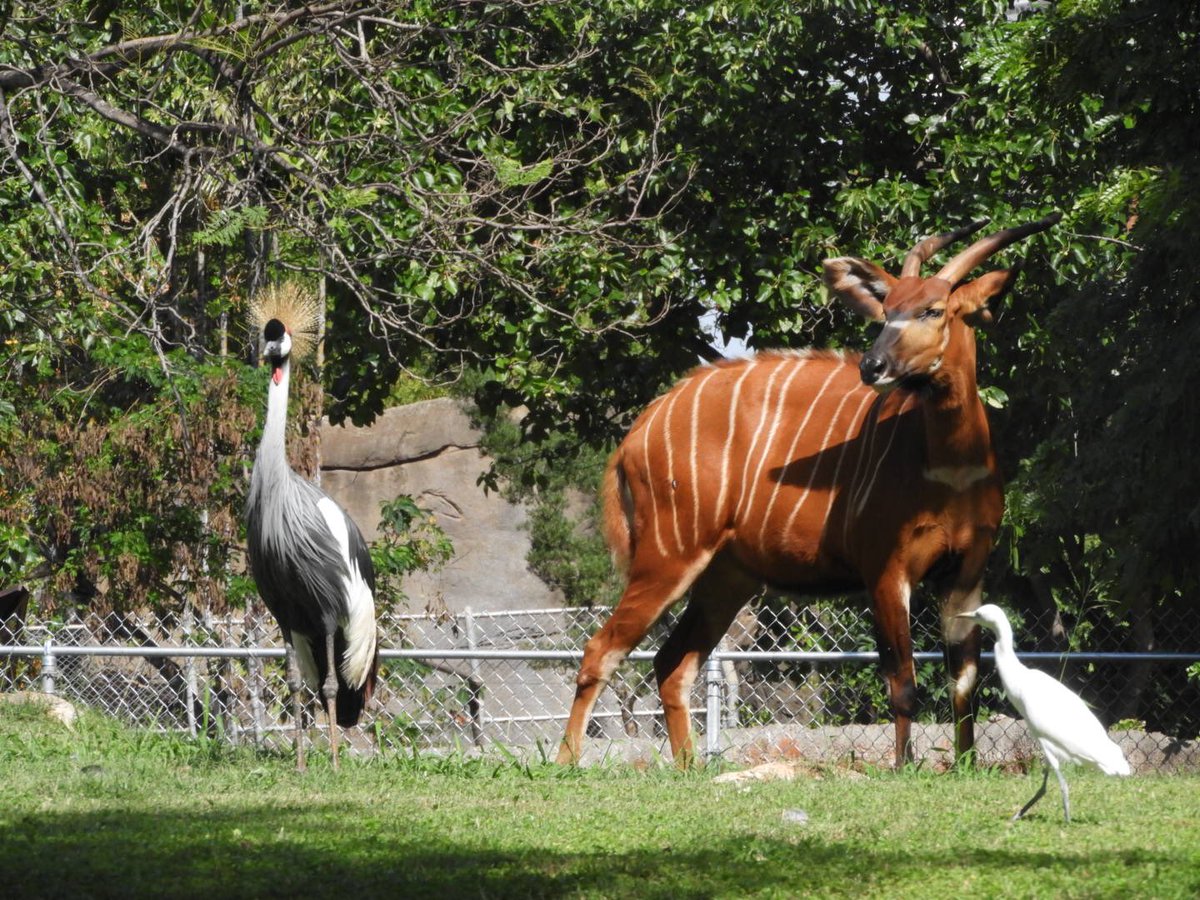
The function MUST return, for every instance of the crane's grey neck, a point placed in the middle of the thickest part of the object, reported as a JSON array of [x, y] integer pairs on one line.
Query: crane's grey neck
[[272, 453]]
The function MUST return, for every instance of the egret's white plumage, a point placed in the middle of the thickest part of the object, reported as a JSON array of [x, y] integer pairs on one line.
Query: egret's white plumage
[[1056, 716]]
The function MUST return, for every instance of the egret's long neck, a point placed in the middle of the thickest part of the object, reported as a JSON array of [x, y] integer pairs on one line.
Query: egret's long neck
[[1006, 654], [271, 451]]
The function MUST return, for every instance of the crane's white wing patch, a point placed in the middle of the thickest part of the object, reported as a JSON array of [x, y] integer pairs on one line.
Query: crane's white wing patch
[[359, 623]]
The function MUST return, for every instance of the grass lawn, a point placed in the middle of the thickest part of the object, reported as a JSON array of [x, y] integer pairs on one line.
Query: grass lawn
[[101, 811]]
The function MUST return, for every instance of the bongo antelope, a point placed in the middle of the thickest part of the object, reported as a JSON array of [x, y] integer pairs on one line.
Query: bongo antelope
[[815, 472]]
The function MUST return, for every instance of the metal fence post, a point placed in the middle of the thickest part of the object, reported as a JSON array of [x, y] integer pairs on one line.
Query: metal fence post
[[255, 673], [472, 640], [712, 711], [189, 670], [49, 666], [474, 682]]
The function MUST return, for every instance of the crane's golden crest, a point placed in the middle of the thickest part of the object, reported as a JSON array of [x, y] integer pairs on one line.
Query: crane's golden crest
[[297, 307]]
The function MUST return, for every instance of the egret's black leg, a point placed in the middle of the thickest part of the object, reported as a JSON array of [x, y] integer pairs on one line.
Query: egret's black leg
[[1037, 796], [329, 691], [293, 682]]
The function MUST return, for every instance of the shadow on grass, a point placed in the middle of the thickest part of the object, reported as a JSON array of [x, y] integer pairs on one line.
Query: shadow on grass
[[269, 852]]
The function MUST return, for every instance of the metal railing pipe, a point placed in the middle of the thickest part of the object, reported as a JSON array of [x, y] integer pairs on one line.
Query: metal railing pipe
[[817, 656]]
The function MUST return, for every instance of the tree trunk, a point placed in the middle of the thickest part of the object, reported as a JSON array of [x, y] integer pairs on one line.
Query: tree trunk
[[1129, 700]]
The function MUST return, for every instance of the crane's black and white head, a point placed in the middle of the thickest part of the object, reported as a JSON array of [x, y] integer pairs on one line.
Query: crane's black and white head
[[276, 347], [286, 320]]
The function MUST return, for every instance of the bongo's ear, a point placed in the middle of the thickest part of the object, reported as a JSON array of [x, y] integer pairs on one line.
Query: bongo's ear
[[861, 285]]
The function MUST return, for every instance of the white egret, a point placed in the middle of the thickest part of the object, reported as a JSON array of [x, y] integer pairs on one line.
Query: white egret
[[1056, 716]]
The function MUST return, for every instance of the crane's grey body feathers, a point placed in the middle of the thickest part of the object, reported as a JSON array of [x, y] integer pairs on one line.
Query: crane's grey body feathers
[[1059, 720], [312, 568]]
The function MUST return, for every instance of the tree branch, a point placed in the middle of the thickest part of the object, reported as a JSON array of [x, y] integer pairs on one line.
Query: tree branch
[[137, 50]]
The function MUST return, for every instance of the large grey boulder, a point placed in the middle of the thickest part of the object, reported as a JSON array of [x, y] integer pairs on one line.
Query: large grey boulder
[[430, 451]]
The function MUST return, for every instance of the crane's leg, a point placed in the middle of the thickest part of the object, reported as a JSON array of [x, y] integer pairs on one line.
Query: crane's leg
[[1036, 797], [717, 596], [292, 668], [329, 693]]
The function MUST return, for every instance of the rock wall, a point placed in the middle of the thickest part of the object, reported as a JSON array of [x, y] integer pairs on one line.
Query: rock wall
[[430, 451]]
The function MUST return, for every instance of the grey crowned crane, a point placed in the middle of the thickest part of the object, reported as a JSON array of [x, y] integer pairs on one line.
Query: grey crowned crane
[[308, 558]]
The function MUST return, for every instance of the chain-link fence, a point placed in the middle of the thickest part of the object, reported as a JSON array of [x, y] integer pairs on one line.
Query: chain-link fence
[[790, 680]]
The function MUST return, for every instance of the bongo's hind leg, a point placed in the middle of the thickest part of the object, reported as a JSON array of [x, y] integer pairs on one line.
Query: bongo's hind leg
[[651, 590], [717, 597]]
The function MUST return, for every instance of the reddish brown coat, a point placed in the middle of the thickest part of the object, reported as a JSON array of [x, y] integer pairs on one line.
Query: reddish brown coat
[[788, 469]]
